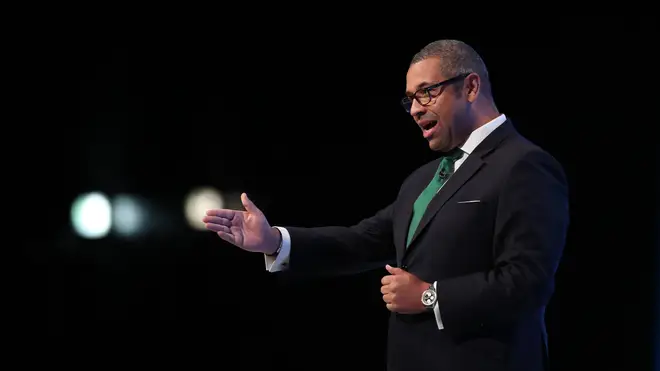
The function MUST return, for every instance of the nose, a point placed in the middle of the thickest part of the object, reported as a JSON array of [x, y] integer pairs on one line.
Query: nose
[[416, 109]]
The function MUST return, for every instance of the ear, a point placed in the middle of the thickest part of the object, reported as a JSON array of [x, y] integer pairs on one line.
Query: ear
[[472, 86]]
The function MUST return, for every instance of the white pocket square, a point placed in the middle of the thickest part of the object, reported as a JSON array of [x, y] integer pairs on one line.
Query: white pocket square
[[469, 202]]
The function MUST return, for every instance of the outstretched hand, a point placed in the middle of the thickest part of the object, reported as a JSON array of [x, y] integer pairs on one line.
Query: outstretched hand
[[402, 291], [247, 229]]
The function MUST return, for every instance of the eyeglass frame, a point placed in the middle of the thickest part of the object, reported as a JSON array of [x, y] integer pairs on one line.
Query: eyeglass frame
[[407, 101]]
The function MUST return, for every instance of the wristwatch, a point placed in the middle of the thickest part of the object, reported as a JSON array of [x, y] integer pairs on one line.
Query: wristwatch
[[429, 297]]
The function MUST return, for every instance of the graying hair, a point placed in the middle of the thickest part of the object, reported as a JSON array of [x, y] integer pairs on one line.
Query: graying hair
[[456, 58]]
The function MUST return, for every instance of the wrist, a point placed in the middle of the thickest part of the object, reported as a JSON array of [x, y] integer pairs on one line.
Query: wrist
[[277, 245]]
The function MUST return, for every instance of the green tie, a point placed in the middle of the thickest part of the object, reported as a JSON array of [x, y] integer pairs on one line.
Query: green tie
[[445, 170]]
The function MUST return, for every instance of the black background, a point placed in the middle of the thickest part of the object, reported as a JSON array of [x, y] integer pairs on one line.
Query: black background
[[308, 123]]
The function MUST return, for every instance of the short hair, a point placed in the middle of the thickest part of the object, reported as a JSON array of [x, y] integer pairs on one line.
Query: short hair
[[456, 58]]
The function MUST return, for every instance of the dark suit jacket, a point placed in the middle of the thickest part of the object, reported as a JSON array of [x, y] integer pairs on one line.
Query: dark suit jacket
[[494, 260]]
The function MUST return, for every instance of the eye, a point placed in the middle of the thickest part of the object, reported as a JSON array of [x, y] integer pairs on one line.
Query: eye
[[433, 89]]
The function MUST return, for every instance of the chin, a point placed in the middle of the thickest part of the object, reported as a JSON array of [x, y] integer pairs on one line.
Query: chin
[[436, 145]]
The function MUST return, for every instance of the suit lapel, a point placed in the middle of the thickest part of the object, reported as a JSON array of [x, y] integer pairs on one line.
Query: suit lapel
[[407, 210], [468, 169], [453, 184]]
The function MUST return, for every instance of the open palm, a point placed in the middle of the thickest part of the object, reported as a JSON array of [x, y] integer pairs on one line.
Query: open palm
[[247, 229]]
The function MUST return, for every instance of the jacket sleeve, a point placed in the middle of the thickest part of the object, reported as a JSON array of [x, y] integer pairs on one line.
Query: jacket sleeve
[[343, 250], [530, 231]]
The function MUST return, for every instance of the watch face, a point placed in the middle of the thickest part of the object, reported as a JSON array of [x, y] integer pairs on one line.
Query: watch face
[[428, 298]]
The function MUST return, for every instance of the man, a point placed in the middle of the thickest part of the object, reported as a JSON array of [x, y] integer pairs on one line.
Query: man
[[477, 233]]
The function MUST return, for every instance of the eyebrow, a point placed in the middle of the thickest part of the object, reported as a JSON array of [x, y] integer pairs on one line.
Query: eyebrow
[[421, 85]]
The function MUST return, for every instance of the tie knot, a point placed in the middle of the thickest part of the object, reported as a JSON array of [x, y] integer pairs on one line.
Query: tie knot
[[454, 154], [446, 167]]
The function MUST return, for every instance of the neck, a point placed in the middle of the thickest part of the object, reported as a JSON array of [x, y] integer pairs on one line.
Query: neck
[[479, 117], [484, 114]]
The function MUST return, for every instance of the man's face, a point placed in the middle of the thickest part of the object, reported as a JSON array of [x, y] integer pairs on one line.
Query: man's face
[[440, 115]]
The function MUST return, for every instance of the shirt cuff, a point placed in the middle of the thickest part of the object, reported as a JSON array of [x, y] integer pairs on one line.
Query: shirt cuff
[[436, 309]]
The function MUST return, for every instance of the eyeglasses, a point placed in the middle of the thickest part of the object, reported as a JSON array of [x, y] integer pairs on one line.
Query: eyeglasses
[[423, 95]]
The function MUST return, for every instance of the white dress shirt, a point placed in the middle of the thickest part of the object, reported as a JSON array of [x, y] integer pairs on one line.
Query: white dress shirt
[[281, 260]]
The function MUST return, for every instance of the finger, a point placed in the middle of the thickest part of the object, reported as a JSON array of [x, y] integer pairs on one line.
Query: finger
[[386, 280], [218, 228], [385, 289], [393, 270], [391, 307], [217, 220], [388, 298], [224, 213], [248, 204], [227, 237]]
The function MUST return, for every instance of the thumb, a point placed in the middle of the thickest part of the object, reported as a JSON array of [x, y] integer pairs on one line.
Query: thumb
[[248, 204], [393, 270]]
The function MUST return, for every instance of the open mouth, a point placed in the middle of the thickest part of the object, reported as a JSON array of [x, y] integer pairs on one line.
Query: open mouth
[[430, 125], [428, 129]]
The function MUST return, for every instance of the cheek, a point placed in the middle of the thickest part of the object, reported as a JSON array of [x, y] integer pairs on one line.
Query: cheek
[[450, 113], [446, 119], [444, 108]]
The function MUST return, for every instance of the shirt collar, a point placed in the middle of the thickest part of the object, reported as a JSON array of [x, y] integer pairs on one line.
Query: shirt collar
[[479, 134]]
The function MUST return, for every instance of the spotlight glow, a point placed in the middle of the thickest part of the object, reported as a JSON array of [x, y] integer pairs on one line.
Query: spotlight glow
[[91, 215]]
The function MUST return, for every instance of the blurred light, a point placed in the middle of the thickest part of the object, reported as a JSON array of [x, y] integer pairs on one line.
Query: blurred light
[[128, 216], [91, 215], [198, 201]]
